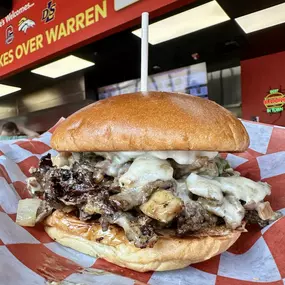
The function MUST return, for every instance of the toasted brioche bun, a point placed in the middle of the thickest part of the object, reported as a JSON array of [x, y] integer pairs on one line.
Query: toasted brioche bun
[[168, 253], [151, 121]]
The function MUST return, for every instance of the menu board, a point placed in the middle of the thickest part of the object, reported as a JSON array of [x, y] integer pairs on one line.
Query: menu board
[[191, 80]]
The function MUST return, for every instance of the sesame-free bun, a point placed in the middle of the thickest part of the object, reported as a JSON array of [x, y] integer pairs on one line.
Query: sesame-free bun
[[168, 253], [151, 121]]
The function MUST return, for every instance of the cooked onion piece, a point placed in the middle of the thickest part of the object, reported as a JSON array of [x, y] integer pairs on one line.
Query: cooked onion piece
[[27, 212]]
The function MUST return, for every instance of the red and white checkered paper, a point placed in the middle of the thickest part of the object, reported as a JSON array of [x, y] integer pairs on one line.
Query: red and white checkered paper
[[29, 256]]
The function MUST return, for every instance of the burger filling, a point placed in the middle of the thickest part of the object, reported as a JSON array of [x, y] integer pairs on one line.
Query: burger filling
[[146, 193]]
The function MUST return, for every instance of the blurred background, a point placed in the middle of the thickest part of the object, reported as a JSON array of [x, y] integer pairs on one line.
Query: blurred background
[[228, 51]]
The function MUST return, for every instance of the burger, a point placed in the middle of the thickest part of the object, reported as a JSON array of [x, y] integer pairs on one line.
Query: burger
[[138, 181]]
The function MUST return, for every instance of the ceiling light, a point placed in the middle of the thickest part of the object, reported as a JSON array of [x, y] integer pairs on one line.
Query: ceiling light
[[6, 89], [186, 22], [262, 19], [63, 66]]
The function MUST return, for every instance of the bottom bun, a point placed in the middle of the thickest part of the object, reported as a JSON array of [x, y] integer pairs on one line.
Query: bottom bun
[[168, 253]]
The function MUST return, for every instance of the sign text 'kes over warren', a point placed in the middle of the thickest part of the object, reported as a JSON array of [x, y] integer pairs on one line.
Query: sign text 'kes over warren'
[[72, 25]]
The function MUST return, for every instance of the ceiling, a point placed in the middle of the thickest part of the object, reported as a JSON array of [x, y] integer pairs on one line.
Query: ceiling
[[5, 8], [117, 57]]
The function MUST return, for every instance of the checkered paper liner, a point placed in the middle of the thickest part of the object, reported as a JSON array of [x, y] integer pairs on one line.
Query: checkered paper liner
[[29, 256]]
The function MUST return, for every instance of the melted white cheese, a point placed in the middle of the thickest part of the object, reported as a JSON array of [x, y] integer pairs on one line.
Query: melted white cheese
[[62, 160], [33, 186], [235, 189], [122, 157], [244, 189], [230, 210], [145, 170], [182, 191], [182, 157], [204, 187], [117, 159]]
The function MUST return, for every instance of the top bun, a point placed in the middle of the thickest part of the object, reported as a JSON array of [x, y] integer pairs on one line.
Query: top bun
[[151, 121]]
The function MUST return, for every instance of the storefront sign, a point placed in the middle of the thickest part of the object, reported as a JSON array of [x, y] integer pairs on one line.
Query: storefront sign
[[35, 30], [274, 101]]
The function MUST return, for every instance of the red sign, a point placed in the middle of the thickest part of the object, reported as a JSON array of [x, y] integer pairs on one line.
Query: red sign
[[37, 29]]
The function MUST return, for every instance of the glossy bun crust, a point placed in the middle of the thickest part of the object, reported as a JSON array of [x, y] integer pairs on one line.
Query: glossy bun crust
[[168, 253], [151, 121]]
